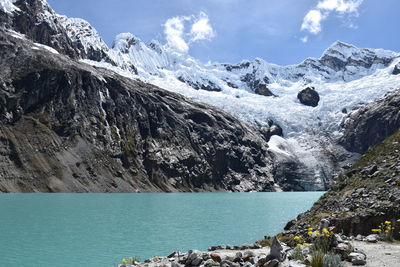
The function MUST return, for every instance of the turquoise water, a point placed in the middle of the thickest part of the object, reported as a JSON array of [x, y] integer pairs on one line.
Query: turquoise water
[[51, 230]]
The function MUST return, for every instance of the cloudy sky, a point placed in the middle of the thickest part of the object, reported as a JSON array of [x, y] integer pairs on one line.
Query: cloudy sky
[[279, 31]]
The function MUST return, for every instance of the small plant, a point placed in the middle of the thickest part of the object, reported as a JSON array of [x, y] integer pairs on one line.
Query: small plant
[[124, 262], [297, 254], [322, 241], [317, 258], [385, 231], [332, 260]]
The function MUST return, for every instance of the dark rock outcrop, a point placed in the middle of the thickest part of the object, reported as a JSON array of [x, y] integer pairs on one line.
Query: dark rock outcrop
[[67, 126], [308, 97], [205, 85], [262, 89], [370, 124], [270, 129], [396, 70]]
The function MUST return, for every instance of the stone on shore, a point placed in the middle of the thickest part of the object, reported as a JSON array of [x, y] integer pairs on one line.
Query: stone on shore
[[372, 238], [277, 250]]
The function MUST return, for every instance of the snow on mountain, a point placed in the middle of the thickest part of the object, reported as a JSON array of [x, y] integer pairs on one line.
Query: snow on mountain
[[80, 31], [7, 6], [345, 77]]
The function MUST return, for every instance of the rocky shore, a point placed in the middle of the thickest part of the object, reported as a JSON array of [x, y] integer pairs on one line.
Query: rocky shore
[[349, 251], [318, 247]]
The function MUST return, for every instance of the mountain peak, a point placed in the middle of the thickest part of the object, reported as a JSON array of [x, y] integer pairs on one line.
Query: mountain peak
[[124, 41], [340, 44]]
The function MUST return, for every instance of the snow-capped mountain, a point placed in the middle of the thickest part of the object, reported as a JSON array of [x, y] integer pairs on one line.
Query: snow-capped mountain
[[345, 78]]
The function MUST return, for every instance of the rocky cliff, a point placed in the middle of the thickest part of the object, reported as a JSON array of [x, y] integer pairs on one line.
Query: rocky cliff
[[369, 192], [372, 123], [67, 126]]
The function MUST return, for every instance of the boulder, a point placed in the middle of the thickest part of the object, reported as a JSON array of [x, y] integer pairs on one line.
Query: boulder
[[194, 258], [372, 238], [356, 255], [215, 257], [358, 262], [262, 89], [309, 97], [277, 250], [396, 70], [359, 238], [324, 223]]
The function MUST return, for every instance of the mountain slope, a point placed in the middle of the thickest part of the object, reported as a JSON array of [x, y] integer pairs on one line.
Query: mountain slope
[[66, 126], [310, 153]]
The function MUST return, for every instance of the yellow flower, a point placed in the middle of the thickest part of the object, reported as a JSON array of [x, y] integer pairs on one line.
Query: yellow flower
[[325, 231], [375, 230], [124, 261], [310, 229], [306, 244], [386, 231], [317, 233], [310, 233], [297, 238], [299, 245], [388, 222], [131, 260]]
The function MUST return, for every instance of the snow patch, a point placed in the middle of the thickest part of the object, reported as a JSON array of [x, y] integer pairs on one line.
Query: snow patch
[[38, 46], [8, 6]]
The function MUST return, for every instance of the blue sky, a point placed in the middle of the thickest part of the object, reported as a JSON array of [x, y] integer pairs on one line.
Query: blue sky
[[279, 31]]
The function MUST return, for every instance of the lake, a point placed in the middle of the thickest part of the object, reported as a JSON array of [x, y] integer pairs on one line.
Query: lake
[[73, 230]]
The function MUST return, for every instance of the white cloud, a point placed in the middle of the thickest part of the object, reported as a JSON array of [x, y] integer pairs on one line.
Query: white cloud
[[342, 6], [174, 30], [201, 29], [179, 37], [304, 39], [312, 21]]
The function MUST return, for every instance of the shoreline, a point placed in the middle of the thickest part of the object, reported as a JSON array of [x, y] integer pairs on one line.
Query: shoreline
[[366, 251]]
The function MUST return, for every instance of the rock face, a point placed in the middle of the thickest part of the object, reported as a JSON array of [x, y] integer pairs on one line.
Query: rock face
[[309, 97], [66, 126], [372, 123], [365, 196], [263, 90], [396, 70]]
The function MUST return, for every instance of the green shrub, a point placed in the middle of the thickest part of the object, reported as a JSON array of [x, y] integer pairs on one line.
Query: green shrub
[[332, 260], [322, 244], [317, 258], [297, 254]]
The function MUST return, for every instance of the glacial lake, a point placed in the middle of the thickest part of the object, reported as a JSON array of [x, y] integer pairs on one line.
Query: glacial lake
[[96, 230]]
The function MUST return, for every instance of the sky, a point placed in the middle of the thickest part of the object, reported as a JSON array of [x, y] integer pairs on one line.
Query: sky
[[279, 31]]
